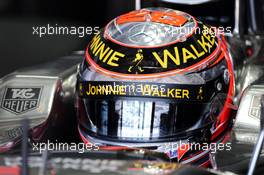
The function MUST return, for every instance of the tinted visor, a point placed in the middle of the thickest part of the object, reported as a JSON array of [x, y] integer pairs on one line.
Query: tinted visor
[[141, 120], [178, 106]]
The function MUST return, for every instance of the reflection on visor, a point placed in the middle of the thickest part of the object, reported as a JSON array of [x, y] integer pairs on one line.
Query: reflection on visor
[[142, 120]]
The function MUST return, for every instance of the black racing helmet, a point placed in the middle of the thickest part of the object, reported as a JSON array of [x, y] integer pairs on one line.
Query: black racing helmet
[[152, 76]]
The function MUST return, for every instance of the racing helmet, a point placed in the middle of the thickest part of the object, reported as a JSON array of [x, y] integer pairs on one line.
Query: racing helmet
[[155, 76]]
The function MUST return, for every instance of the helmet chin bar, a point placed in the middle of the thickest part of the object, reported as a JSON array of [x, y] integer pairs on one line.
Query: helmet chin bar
[[181, 146]]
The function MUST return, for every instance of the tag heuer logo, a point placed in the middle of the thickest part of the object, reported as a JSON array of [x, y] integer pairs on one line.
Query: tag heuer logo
[[19, 100], [254, 110]]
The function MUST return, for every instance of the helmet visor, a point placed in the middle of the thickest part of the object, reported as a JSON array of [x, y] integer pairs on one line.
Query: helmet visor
[[138, 111], [141, 120]]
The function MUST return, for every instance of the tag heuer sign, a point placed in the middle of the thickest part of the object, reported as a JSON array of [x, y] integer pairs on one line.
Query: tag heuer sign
[[21, 99], [255, 106]]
